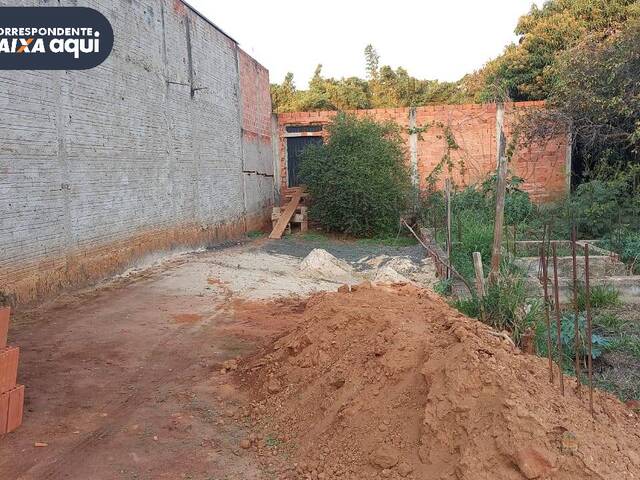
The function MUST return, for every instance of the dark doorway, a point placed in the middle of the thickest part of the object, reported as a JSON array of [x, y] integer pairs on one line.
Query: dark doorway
[[295, 146]]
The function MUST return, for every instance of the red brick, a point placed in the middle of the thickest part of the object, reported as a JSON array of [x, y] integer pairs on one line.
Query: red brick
[[4, 412], [542, 166], [5, 312], [8, 368], [16, 408]]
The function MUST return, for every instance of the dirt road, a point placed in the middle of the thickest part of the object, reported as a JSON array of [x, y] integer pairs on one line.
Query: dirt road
[[123, 381]]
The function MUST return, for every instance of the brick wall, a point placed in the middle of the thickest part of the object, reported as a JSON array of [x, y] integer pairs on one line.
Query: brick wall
[[543, 166], [151, 151], [257, 151]]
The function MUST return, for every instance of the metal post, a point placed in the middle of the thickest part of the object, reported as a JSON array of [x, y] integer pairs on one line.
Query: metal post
[[543, 261], [447, 188], [587, 302], [576, 312], [558, 318]]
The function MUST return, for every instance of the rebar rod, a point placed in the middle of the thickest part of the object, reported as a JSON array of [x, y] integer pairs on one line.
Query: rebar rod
[[576, 310], [545, 283], [434, 254], [587, 303], [556, 295]]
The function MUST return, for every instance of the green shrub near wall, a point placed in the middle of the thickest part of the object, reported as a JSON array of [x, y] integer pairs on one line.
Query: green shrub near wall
[[358, 179]]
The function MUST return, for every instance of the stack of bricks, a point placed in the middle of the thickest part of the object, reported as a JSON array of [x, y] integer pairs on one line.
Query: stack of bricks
[[11, 395]]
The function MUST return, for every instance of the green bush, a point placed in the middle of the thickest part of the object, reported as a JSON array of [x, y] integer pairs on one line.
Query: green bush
[[505, 305], [518, 208], [358, 179], [475, 235], [627, 243]]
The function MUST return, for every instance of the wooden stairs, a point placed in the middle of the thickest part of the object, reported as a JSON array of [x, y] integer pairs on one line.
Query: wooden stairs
[[294, 211]]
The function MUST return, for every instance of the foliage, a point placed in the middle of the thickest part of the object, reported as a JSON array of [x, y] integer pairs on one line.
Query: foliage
[[609, 323], [505, 305], [475, 235], [595, 206], [524, 70], [599, 343], [358, 179], [469, 306], [384, 87], [601, 296], [443, 287], [627, 244], [595, 86], [625, 343]]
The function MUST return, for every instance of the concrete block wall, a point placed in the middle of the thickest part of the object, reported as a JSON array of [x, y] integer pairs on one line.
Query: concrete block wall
[[143, 153], [257, 151], [545, 167]]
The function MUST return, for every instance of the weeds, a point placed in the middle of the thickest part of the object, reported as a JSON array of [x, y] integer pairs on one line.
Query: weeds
[[469, 306], [627, 344], [602, 296], [599, 343], [505, 305], [443, 287], [609, 323]]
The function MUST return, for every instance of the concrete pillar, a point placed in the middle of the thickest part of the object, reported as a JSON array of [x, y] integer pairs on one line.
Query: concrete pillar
[[275, 145], [499, 130], [413, 147], [568, 159]]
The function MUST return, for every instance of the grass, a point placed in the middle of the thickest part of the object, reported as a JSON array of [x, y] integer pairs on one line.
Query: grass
[[256, 234], [626, 344], [602, 296], [610, 323]]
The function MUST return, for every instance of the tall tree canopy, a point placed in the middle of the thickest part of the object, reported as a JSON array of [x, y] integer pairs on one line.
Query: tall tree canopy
[[582, 56], [384, 87], [524, 70]]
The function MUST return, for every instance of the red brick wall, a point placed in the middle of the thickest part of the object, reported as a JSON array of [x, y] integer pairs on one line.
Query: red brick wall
[[256, 99], [474, 129]]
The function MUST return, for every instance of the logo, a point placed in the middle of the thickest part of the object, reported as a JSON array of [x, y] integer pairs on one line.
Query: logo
[[53, 38]]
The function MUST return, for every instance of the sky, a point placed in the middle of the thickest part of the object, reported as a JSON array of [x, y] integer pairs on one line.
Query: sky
[[432, 39]]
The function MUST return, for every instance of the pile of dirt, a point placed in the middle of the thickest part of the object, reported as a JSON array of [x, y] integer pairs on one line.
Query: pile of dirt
[[322, 265], [390, 382]]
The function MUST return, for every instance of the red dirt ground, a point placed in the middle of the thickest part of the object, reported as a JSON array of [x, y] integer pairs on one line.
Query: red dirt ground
[[124, 382], [391, 382], [159, 378]]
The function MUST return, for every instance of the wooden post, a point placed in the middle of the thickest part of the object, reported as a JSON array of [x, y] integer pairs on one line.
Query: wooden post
[[447, 190], [477, 265], [501, 187]]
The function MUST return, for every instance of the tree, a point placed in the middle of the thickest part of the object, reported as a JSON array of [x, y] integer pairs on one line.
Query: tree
[[372, 60], [596, 86], [283, 96], [522, 72], [383, 88]]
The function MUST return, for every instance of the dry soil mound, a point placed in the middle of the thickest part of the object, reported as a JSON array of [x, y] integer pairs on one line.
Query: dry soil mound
[[389, 382]]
